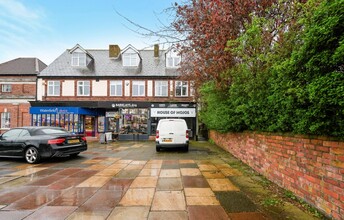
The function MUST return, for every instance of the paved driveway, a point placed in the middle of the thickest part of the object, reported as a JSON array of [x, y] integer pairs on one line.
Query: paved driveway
[[127, 180]]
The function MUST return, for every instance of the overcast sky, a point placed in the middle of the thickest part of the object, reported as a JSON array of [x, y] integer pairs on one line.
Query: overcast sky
[[46, 28]]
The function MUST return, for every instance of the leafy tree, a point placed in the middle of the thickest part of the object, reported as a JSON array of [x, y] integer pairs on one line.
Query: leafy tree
[[256, 50], [288, 76], [207, 25]]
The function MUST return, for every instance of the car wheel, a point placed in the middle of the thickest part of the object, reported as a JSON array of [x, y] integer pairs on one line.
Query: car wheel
[[32, 155], [157, 149]]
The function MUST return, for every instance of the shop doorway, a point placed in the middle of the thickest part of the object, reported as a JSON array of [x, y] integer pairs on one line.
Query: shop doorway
[[90, 126]]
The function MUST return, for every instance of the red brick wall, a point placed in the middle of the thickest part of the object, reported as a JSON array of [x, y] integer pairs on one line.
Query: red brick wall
[[19, 114], [311, 167]]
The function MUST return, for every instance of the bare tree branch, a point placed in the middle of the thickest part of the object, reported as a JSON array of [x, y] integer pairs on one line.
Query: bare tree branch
[[165, 34]]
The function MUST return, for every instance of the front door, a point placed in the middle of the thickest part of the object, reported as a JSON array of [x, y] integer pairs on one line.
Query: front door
[[90, 126]]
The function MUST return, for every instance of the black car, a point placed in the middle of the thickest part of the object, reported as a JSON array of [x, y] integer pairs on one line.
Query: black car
[[36, 143]]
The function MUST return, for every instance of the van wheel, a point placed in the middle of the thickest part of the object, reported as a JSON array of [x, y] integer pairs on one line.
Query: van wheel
[[157, 149]]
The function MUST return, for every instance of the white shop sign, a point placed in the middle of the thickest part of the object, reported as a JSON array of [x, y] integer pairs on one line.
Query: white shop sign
[[173, 112], [110, 114]]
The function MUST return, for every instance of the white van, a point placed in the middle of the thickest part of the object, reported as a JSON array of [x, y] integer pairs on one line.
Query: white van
[[172, 133]]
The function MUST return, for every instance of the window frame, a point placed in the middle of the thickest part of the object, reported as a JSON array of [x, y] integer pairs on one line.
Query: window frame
[[173, 59], [131, 57], [115, 84], [81, 85], [158, 90], [4, 119], [181, 88], [56, 88], [8, 86], [77, 57], [138, 83]]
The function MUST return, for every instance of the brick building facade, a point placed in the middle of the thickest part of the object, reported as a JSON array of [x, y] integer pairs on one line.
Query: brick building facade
[[18, 87], [124, 92]]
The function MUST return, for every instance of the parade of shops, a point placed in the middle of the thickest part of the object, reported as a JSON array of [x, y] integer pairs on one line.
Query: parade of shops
[[125, 120]]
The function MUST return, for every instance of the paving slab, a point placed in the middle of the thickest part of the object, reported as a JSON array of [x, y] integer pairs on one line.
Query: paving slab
[[168, 184], [125, 213], [168, 201], [207, 212], [169, 173], [138, 197], [175, 215], [14, 215], [234, 202], [195, 182], [247, 216], [190, 172], [54, 213], [130, 180]]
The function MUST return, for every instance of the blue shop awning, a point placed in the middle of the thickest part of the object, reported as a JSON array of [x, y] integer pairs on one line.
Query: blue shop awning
[[63, 110]]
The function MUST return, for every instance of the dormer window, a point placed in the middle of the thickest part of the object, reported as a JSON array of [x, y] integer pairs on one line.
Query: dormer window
[[130, 59], [78, 59], [173, 59]]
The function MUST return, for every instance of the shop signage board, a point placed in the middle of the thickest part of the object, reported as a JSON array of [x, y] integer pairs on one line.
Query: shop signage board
[[111, 114], [173, 112], [124, 105], [62, 110]]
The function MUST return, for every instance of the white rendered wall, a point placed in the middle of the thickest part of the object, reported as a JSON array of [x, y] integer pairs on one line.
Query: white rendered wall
[[149, 88], [68, 88], [99, 88], [127, 88]]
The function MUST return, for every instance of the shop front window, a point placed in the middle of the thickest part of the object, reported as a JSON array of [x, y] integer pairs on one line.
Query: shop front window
[[134, 121], [101, 124], [70, 122], [111, 124]]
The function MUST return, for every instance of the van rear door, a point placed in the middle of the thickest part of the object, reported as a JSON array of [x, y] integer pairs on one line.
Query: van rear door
[[172, 131], [179, 130]]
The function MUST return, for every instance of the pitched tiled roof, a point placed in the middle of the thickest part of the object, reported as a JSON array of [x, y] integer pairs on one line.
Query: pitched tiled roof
[[22, 66], [102, 65]]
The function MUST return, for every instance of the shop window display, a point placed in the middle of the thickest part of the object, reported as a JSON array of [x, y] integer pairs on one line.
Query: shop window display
[[134, 121], [101, 124], [111, 124], [71, 122]]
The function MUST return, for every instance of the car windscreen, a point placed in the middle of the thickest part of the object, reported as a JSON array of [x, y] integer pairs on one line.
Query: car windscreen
[[44, 131]]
